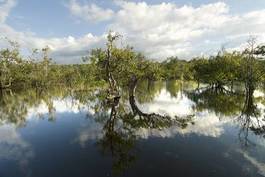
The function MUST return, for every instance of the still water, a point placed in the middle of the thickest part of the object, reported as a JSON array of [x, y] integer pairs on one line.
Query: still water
[[69, 133]]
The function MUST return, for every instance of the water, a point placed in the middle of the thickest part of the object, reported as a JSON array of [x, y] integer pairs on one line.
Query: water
[[64, 133]]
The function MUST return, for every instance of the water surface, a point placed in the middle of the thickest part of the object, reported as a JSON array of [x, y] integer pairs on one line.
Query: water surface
[[66, 133]]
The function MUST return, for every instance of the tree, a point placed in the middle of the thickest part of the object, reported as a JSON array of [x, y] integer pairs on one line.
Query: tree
[[9, 57], [252, 66], [121, 65]]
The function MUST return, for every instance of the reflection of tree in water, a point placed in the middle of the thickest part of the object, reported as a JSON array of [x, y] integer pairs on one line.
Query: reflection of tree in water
[[118, 140], [174, 87], [12, 108], [222, 102], [15, 105], [121, 127], [227, 103], [250, 119], [146, 90]]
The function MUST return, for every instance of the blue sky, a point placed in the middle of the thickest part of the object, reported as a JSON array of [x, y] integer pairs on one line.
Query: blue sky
[[51, 18], [157, 28]]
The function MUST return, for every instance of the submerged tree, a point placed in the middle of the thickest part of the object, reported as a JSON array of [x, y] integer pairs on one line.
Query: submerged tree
[[120, 130], [223, 103], [174, 68], [250, 120], [219, 70], [121, 65], [252, 66]]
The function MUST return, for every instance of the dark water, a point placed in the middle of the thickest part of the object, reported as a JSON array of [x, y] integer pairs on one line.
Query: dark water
[[64, 133]]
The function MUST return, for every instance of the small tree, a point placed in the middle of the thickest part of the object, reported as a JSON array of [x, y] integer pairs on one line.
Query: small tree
[[9, 57]]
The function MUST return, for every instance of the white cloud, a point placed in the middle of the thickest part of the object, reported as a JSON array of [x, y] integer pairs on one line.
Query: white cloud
[[63, 50], [90, 12], [165, 29], [5, 7], [158, 30]]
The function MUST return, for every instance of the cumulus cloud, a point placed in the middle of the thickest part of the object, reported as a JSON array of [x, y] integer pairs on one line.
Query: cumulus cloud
[[90, 12], [184, 31], [165, 29], [5, 7], [63, 50], [158, 30]]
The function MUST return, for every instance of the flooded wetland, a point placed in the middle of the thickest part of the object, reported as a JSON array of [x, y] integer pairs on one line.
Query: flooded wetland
[[167, 129]]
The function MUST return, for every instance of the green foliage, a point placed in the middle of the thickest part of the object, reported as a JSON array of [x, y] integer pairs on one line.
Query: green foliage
[[122, 63], [39, 71], [173, 69], [118, 65], [219, 70]]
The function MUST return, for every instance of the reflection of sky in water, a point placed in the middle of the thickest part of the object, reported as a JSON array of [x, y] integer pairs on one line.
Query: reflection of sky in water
[[60, 106], [206, 123], [172, 106], [259, 165], [14, 148], [73, 131]]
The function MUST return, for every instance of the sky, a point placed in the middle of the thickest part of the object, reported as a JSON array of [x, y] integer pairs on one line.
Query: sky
[[157, 28]]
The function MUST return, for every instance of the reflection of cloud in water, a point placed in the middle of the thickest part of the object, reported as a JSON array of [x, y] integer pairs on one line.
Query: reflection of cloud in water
[[172, 106], [90, 131], [259, 165], [205, 123], [258, 93], [13, 147], [60, 106]]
